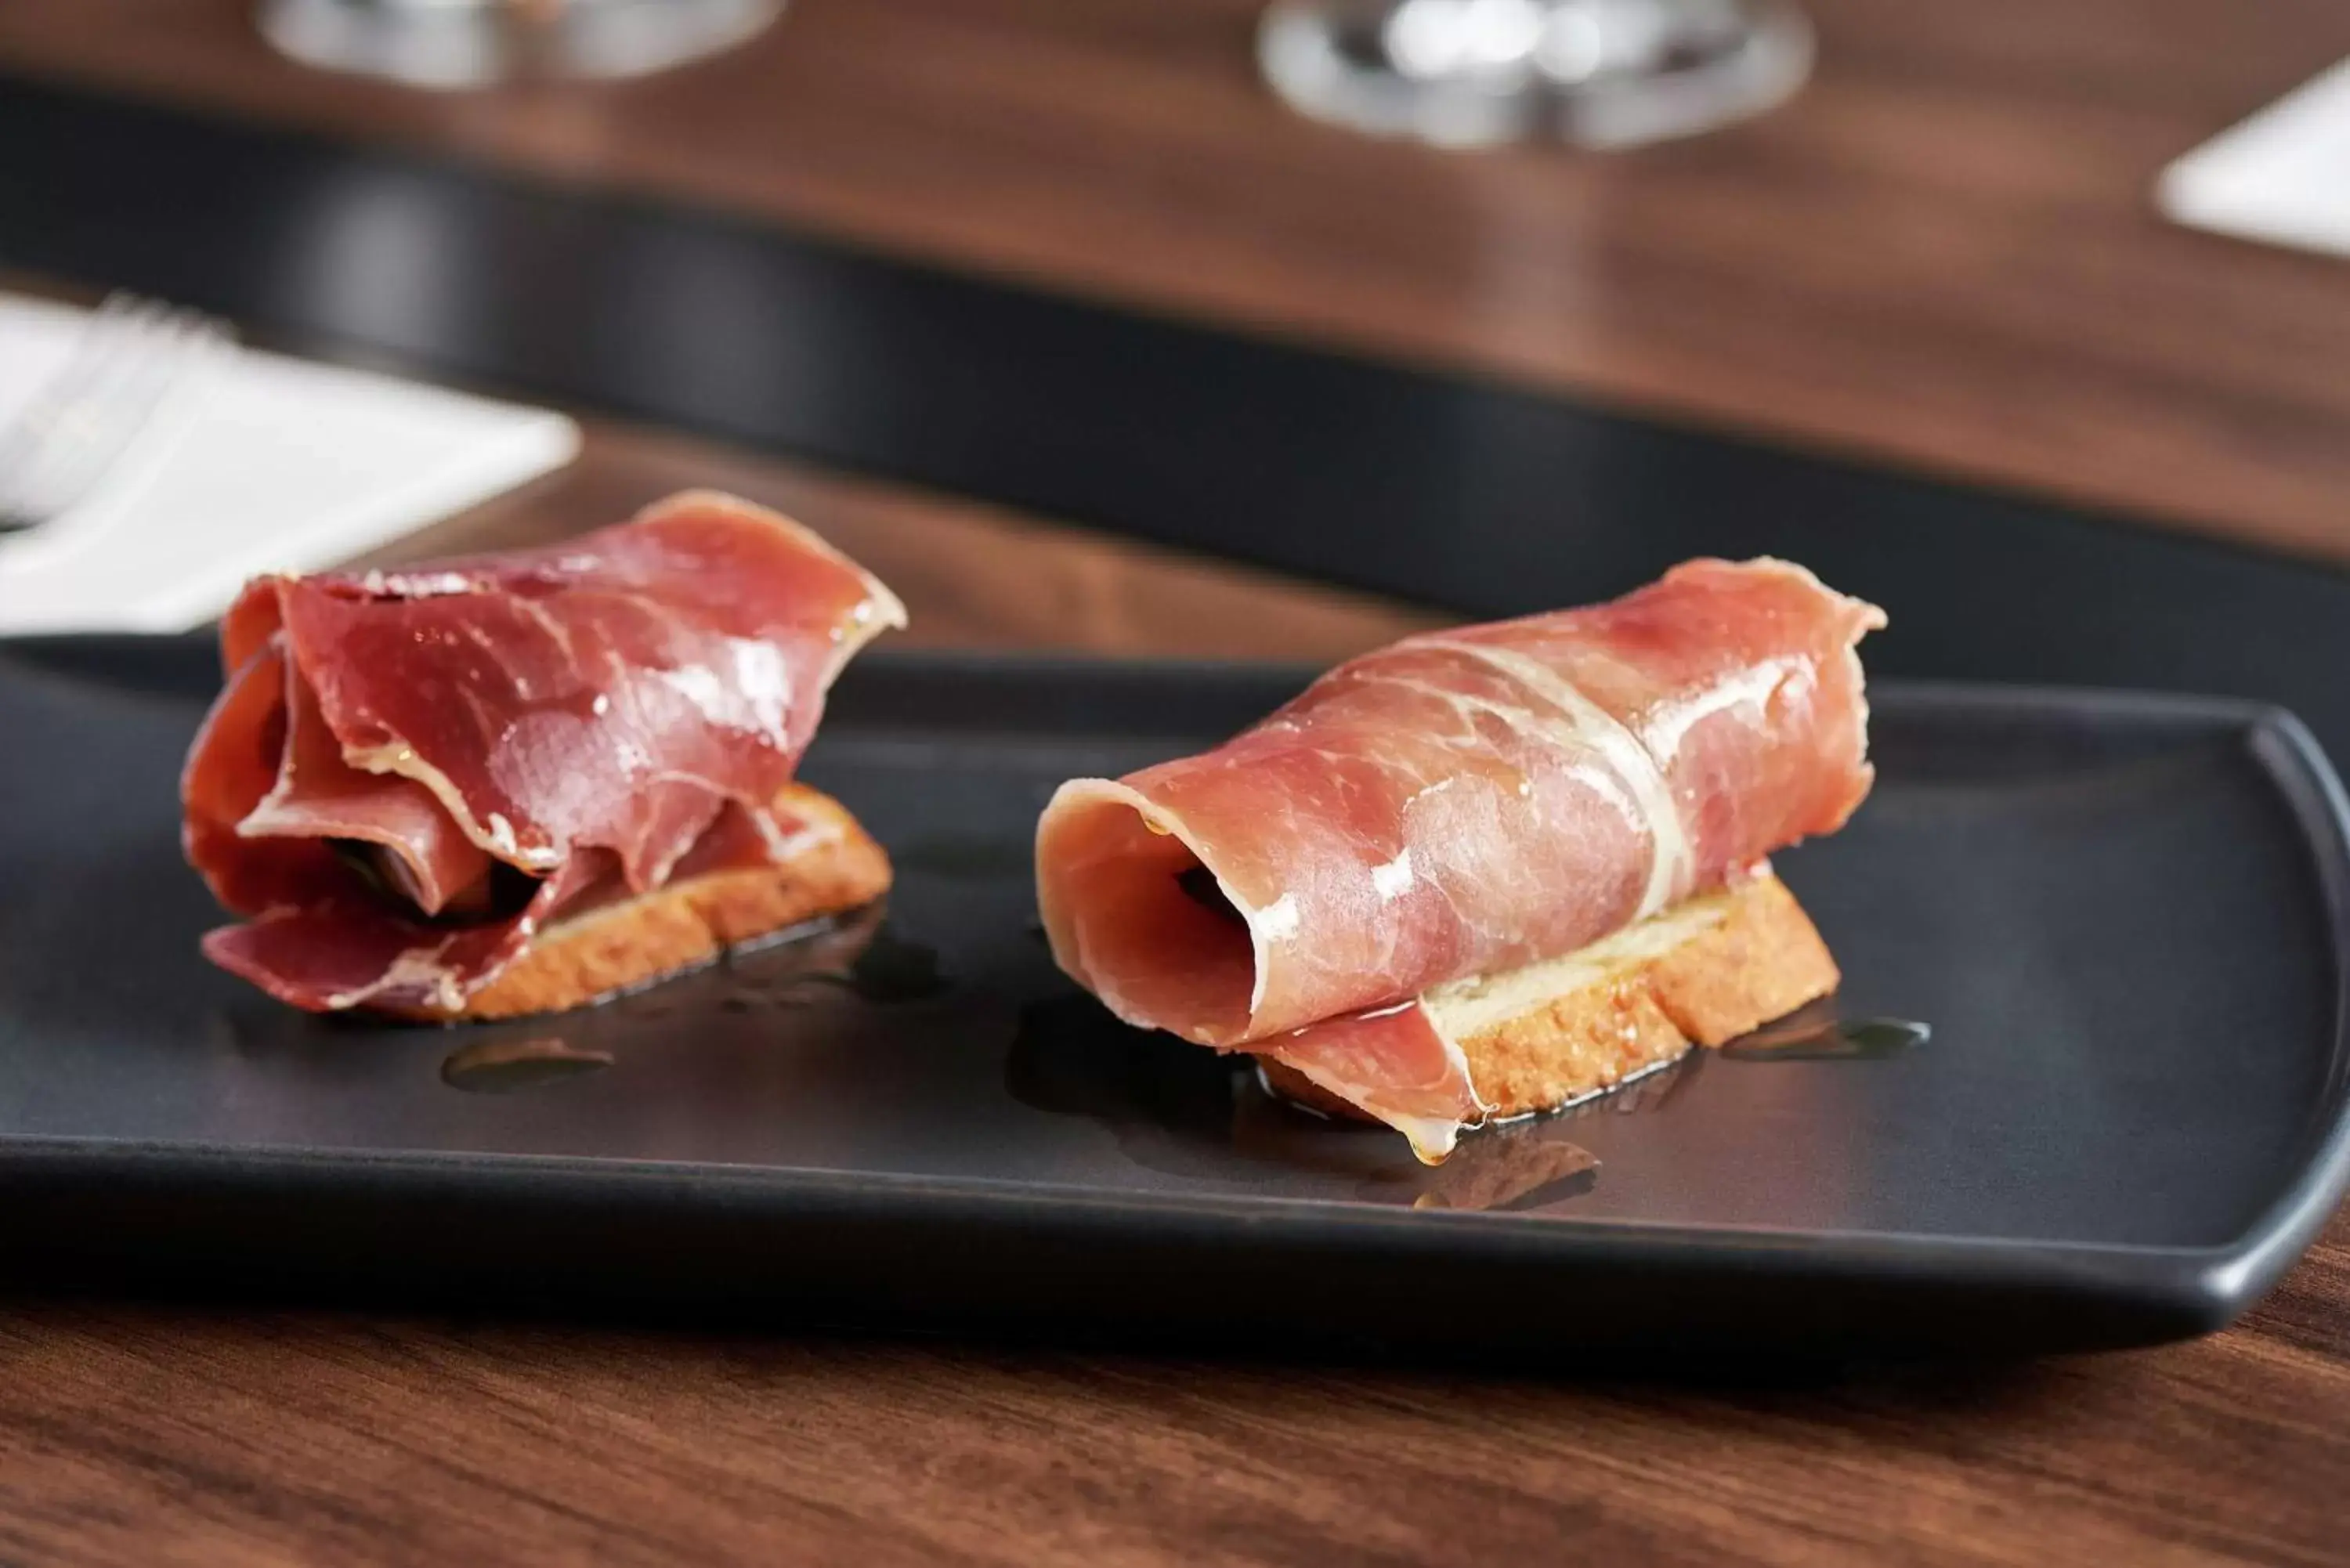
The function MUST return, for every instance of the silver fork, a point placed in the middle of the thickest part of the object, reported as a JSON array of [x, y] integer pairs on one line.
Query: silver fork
[[88, 416]]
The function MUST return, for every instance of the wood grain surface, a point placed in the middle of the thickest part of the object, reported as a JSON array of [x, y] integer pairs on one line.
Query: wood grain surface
[[1963, 189], [1944, 252], [132, 1435]]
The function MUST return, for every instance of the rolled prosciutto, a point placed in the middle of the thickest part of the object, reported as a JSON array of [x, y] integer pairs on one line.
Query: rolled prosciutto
[[1459, 805], [410, 773]]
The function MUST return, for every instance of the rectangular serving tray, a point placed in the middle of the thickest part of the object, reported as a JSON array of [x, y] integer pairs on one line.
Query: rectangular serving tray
[[2121, 916]]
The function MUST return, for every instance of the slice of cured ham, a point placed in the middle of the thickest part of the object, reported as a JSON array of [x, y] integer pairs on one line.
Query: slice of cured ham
[[1459, 804], [408, 773]]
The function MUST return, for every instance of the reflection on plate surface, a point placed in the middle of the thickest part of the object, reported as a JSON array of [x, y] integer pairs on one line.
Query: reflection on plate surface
[[503, 1066], [1816, 1032], [1176, 1108]]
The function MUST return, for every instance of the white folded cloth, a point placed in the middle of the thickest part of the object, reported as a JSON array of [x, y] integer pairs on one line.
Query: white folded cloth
[[2281, 176], [256, 463]]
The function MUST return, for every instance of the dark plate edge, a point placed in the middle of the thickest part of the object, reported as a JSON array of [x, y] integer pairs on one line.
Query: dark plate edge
[[2236, 1277], [794, 1192], [859, 1253]]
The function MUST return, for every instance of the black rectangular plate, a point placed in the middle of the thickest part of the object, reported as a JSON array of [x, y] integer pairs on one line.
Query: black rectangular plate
[[2121, 916]]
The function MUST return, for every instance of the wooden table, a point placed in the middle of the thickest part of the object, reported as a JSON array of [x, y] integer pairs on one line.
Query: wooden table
[[1941, 254], [1944, 252]]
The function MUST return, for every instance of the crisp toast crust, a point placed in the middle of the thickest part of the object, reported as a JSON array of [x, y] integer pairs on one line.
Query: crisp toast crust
[[618, 947], [1702, 973]]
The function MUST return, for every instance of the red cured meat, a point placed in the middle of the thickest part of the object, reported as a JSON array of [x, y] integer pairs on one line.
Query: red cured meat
[[318, 795], [585, 714], [1460, 802], [1393, 1062]]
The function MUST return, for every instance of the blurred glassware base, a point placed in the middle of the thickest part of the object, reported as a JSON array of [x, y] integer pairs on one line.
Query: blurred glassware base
[[1594, 73], [478, 42]]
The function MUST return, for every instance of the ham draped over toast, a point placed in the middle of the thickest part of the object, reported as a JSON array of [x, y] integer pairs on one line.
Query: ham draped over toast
[[415, 778], [1483, 871]]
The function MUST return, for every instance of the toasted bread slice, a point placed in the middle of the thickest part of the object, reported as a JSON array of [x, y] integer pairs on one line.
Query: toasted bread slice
[[1701, 973], [618, 947]]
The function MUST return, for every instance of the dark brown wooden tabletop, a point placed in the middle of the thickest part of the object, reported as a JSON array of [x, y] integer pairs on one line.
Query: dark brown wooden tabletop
[[1942, 253]]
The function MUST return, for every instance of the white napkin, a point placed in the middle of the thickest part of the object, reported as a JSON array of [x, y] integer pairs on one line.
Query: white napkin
[[258, 464], [2283, 176]]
